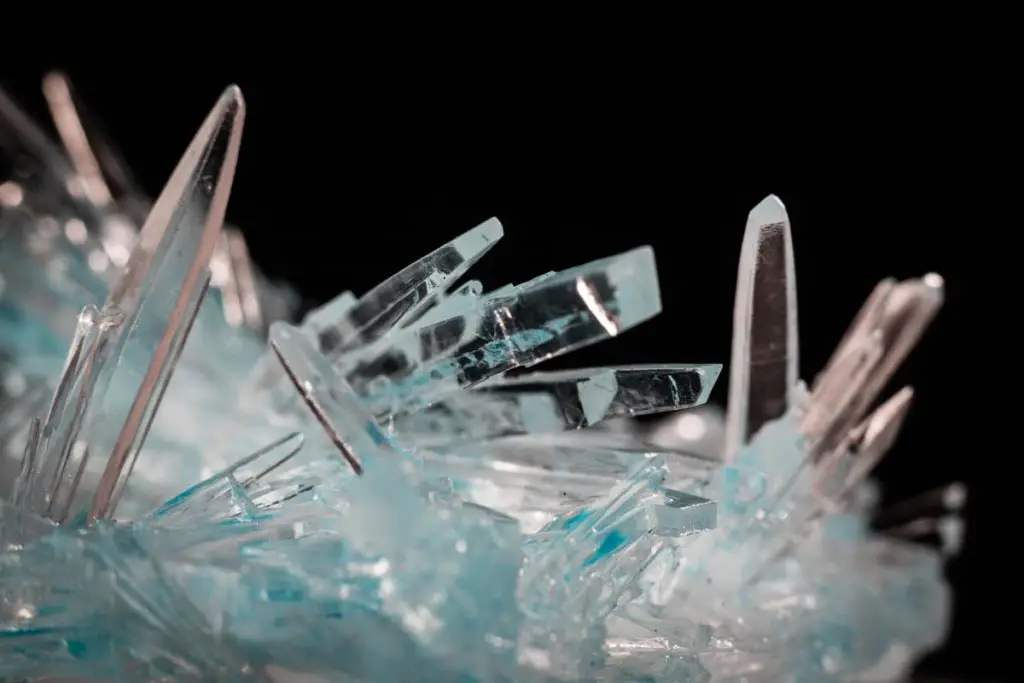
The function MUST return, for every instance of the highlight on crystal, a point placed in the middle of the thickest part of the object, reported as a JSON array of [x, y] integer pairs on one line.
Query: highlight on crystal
[[194, 486]]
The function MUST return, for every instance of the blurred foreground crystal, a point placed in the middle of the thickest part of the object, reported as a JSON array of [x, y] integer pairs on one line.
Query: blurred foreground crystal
[[371, 496]]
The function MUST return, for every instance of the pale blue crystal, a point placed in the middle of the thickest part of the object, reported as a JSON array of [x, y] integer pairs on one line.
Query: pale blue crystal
[[369, 497], [530, 324]]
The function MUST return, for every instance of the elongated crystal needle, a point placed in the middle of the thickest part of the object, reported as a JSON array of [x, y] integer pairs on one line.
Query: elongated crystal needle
[[27, 462], [764, 363], [68, 122], [76, 128], [163, 284], [318, 412], [880, 431], [892, 320]]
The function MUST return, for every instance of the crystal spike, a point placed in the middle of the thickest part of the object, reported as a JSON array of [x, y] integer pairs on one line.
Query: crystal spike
[[765, 347]]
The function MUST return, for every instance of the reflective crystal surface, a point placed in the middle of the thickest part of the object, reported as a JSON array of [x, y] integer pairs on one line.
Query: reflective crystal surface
[[196, 487]]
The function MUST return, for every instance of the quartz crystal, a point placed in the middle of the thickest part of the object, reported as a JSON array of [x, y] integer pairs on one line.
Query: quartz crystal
[[194, 486]]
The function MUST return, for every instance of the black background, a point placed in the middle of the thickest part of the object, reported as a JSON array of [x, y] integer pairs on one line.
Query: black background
[[887, 138]]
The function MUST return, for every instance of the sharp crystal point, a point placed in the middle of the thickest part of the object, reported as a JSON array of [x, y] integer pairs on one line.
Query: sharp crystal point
[[410, 292], [884, 424], [769, 211], [503, 526], [888, 327], [765, 345], [193, 202], [134, 343], [710, 374], [873, 438]]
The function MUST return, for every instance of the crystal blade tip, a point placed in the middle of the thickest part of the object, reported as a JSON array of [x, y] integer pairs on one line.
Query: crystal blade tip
[[769, 211], [643, 271], [492, 229], [54, 78], [935, 281], [232, 102], [710, 374], [481, 238]]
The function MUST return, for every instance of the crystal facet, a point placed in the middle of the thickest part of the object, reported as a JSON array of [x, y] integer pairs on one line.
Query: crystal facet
[[381, 494]]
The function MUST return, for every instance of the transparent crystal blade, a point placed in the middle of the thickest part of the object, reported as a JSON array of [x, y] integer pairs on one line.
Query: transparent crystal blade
[[350, 427], [107, 180], [410, 290], [890, 324], [229, 494], [545, 318], [553, 402], [58, 465], [765, 348], [149, 312], [631, 390], [867, 443], [465, 298]]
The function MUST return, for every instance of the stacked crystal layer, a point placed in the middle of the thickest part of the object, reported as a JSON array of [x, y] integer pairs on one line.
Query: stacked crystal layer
[[380, 493]]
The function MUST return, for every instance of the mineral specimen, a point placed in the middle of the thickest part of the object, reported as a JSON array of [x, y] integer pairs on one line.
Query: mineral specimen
[[371, 496]]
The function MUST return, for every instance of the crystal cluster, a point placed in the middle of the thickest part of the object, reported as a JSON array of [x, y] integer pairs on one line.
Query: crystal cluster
[[388, 491]]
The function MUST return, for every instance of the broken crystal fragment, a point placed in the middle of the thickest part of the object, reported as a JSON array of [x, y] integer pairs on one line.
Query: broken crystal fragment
[[407, 510], [541, 403]]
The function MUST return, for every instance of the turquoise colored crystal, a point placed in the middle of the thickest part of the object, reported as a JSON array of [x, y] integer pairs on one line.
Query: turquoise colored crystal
[[203, 489]]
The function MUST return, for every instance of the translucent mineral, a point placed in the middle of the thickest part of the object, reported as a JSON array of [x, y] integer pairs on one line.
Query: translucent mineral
[[195, 486]]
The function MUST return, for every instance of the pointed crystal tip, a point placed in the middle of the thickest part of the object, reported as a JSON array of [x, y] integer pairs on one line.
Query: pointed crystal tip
[[935, 281], [711, 374], [771, 210], [955, 496], [232, 103], [491, 229], [55, 79]]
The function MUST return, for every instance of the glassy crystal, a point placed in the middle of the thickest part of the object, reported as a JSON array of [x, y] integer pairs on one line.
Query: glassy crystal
[[409, 293], [119, 375], [541, 403], [506, 330], [380, 494], [764, 351]]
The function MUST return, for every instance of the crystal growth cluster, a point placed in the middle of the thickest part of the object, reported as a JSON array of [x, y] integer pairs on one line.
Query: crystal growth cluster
[[194, 488]]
